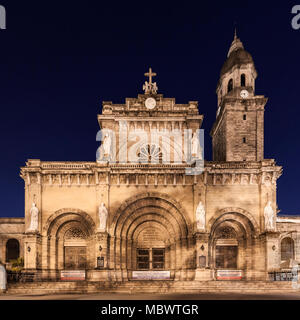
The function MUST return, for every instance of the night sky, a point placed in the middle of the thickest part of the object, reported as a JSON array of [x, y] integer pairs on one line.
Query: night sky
[[60, 61]]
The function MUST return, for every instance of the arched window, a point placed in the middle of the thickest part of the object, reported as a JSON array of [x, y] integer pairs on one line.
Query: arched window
[[243, 80], [150, 153], [12, 250], [287, 249], [230, 85]]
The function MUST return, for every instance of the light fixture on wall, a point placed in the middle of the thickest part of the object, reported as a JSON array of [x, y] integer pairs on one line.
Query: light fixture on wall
[[274, 248], [100, 248], [202, 248], [28, 249]]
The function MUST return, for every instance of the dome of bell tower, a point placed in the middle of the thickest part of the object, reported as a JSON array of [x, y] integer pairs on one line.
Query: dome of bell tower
[[237, 56], [237, 74]]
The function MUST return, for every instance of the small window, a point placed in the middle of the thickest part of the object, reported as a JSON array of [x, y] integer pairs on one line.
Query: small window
[[243, 80], [230, 85], [158, 258], [244, 117], [244, 140], [143, 259]]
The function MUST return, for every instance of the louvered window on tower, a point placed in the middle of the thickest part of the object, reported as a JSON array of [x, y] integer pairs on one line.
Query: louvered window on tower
[[243, 80], [230, 85]]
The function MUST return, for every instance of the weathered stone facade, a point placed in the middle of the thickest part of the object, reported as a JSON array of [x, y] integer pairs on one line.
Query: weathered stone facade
[[152, 222]]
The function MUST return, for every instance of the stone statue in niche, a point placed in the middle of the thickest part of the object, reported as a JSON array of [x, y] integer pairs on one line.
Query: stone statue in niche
[[195, 146], [269, 217], [200, 217], [106, 146], [34, 218], [103, 213]]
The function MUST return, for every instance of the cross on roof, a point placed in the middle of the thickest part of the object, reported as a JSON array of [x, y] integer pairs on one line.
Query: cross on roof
[[150, 74]]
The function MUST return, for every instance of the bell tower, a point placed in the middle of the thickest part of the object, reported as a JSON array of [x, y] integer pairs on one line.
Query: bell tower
[[238, 132]]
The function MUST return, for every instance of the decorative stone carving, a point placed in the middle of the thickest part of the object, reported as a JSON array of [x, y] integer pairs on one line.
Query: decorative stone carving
[[267, 179], [75, 233], [269, 217], [103, 213], [200, 217], [226, 233], [34, 218], [245, 179]]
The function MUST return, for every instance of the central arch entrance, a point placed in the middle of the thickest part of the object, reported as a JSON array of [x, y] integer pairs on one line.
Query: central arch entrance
[[151, 233], [152, 248]]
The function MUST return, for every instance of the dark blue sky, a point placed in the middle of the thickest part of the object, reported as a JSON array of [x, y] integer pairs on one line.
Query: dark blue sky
[[59, 61]]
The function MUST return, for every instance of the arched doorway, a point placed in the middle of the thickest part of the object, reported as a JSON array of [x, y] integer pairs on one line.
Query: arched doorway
[[75, 249], [226, 248], [150, 232], [151, 247], [231, 243], [69, 241], [12, 250]]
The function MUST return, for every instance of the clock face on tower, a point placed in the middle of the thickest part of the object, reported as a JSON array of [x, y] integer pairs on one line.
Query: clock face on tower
[[244, 94], [150, 103]]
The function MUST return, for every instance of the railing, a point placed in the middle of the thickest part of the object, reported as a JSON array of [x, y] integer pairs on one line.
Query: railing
[[13, 277], [66, 165], [283, 275]]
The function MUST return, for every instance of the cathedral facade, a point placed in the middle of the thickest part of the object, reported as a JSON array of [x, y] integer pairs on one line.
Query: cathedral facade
[[150, 207]]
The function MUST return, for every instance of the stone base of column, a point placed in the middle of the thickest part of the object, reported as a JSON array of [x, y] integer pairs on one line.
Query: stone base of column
[[203, 274], [98, 275]]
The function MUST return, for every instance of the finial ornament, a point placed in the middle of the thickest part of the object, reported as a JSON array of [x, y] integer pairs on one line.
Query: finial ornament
[[150, 87], [236, 44]]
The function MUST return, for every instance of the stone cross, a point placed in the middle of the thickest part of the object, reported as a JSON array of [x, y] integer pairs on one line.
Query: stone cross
[[150, 74]]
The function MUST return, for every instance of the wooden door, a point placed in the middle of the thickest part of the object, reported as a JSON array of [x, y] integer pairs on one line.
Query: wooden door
[[75, 258]]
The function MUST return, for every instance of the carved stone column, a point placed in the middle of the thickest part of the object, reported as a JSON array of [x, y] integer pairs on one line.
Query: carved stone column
[[270, 242], [203, 271], [33, 257], [101, 254]]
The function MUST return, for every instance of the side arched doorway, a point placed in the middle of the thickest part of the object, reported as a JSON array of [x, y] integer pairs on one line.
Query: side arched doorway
[[70, 243], [75, 248], [231, 243]]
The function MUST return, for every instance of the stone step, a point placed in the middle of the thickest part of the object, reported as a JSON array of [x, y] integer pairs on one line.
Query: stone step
[[147, 287]]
